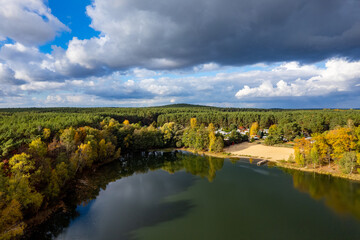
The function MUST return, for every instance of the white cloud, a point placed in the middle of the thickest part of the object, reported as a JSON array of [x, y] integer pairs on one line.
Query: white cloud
[[162, 86], [288, 79], [77, 99], [339, 75], [28, 63], [41, 86], [68, 100], [220, 88], [143, 73], [53, 99], [76, 85], [266, 89], [28, 21]]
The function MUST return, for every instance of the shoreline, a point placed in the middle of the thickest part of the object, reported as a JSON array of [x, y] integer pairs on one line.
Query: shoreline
[[43, 215], [324, 170]]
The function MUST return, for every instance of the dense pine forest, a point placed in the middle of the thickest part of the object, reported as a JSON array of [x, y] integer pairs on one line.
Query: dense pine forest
[[20, 126], [42, 150]]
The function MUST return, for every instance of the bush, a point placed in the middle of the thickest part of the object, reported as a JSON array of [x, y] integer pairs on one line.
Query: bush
[[272, 140]]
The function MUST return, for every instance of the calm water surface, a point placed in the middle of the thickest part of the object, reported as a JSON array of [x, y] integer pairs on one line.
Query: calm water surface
[[177, 195]]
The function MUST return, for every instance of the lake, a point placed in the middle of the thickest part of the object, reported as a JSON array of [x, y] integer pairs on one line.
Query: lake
[[179, 195]]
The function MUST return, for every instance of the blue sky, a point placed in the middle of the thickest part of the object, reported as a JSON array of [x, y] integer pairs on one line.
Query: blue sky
[[73, 14], [266, 54]]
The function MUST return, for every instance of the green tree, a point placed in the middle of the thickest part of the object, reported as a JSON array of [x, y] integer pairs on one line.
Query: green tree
[[218, 145], [274, 136], [202, 138], [21, 190], [315, 156], [53, 188], [348, 162]]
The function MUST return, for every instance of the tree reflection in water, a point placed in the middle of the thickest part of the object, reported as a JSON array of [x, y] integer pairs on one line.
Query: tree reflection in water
[[202, 166], [341, 195], [88, 188]]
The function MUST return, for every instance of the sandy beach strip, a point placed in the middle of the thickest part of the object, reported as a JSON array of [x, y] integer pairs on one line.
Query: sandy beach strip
[[260, 151]]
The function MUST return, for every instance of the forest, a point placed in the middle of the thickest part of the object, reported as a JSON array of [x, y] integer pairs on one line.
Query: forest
[[42, 150]]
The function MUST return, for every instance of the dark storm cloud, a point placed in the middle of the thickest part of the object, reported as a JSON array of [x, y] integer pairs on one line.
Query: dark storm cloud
[[176, 34]]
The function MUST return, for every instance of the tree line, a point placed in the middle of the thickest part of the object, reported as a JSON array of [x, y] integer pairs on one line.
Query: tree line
[[18, 127]]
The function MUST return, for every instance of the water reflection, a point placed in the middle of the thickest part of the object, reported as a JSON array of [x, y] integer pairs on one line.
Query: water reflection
[[137, 197], [341, 195], [198, 165], [121, 201], [128, 204]]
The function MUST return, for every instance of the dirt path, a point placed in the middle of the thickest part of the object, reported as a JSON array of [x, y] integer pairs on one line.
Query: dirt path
[[260, 151]]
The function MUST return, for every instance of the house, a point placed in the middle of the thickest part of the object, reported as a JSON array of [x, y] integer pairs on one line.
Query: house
[[220, 131]]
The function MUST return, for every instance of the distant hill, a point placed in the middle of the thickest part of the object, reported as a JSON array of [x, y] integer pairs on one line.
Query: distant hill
[[182, 105]]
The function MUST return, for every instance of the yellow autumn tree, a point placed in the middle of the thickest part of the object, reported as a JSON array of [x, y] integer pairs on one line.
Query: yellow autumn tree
[[126, 122], [302, 148], [322, 147], [193, 122], [168, 131], [84, 156], [212, 136], [254, 128], [46, 133], [357, 141], [106, 150], [341, 141], [21, 164], [67, 139], [19, 186], [38, 148]]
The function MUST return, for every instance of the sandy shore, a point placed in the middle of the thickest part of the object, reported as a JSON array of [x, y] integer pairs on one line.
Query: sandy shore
[[274, 154], [260, 151]]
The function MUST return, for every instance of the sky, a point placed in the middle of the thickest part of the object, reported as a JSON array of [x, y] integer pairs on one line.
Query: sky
[[228, 53]]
